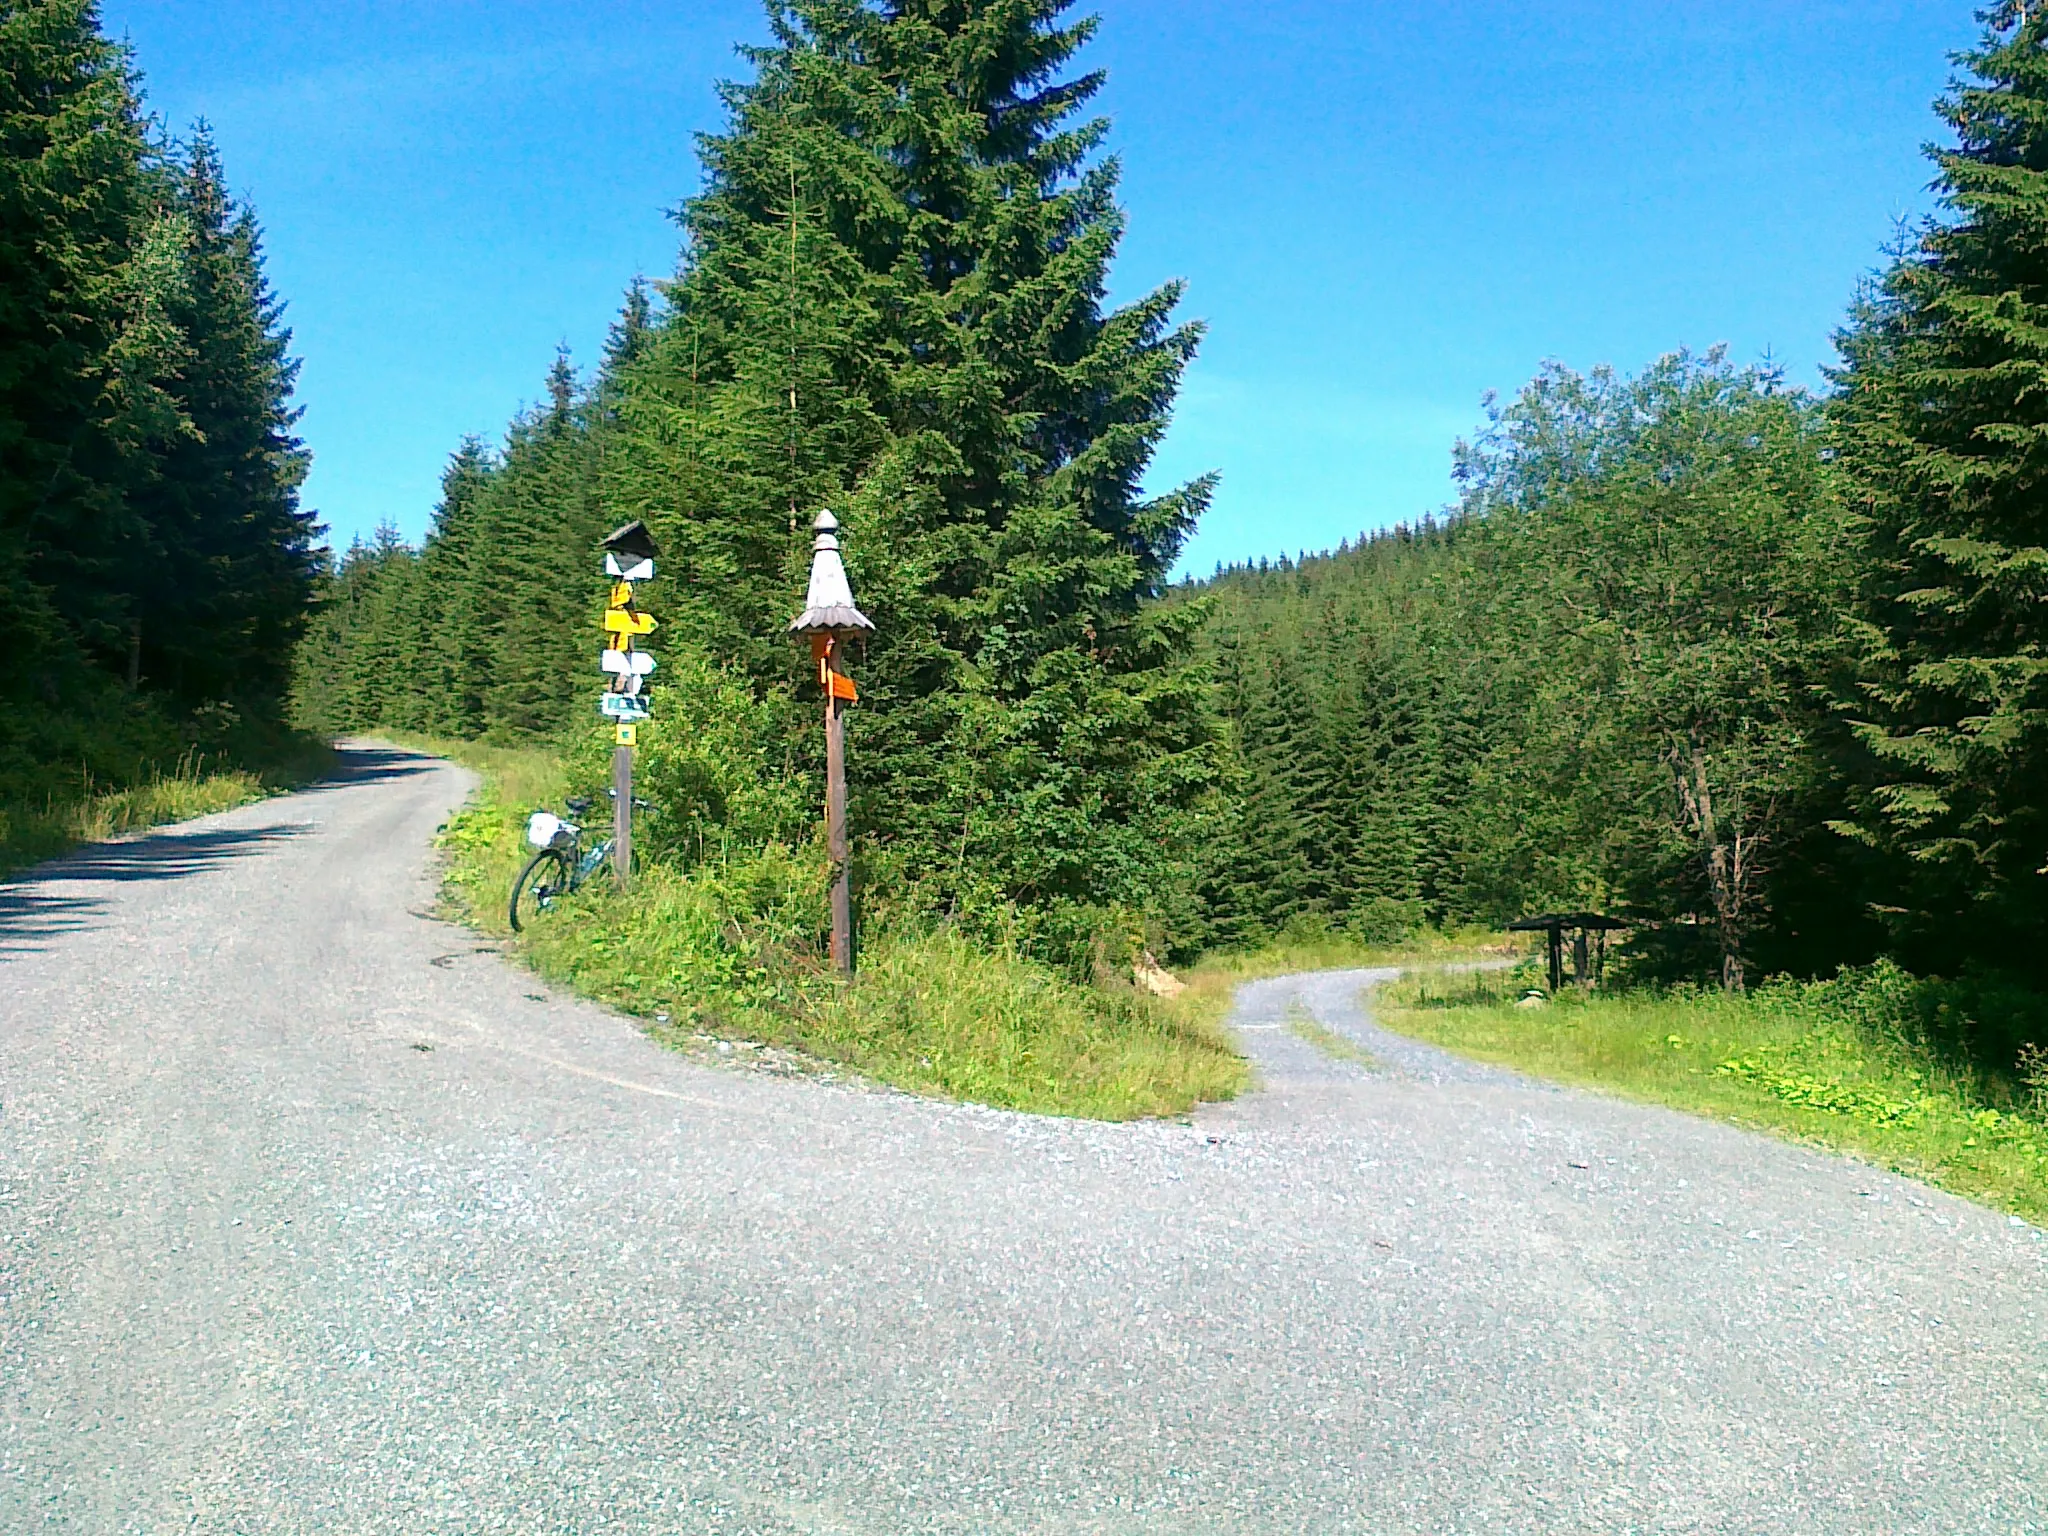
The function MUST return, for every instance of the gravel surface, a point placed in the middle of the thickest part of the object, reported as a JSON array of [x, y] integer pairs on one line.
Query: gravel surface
[[318, 1216]]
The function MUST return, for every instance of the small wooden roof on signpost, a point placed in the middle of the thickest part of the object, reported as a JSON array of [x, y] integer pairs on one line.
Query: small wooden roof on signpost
[[1593, 922], [631, 543], [1555, 924]]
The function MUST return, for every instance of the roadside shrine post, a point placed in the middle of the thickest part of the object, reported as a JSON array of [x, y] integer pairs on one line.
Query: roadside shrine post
[[628, 558], [830, 619]]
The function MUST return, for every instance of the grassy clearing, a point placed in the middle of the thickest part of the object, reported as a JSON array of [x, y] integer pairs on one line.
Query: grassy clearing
[[70, 811], [1860, 1063], [730, 949]]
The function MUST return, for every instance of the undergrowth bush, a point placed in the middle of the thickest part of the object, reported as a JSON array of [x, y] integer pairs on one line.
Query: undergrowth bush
[[714, 764], [111, 762]]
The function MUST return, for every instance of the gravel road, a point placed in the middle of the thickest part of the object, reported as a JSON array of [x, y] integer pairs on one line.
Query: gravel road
[[319, 1216]]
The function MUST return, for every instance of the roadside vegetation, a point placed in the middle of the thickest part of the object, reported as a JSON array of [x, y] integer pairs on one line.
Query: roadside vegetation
[[731, 948], [1733, 660], [144, 771], [1939, 1081], [156, 567]]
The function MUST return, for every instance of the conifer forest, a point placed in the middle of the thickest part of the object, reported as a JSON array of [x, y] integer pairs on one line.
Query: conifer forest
[[1763, 670], [156, 568]]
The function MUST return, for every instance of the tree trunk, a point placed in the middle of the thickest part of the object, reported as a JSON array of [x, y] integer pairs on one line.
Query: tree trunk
[[1726, 866]]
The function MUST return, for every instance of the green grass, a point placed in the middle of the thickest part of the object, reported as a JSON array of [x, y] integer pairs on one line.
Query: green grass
[[1860, 1064], [75, 807], [730, 950]]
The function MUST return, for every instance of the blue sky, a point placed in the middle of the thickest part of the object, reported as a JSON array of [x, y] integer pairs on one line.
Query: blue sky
[[1383, 209]]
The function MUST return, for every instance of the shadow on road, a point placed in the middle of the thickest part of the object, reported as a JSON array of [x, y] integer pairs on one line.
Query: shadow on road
[[167, 856], [30, 919], [33, 911], [368, 764], [32, 914]]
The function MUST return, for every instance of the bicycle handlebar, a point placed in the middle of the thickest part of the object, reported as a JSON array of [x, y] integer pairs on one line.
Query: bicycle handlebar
[[578, 804]]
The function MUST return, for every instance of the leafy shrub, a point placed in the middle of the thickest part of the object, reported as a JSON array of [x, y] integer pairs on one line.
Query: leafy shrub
[[712, 762], [1981, 1027]]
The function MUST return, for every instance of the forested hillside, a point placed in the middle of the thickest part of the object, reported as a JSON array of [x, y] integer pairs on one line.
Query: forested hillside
[[1757, 668], [1764, 671], [155, 567], [1599, 682]]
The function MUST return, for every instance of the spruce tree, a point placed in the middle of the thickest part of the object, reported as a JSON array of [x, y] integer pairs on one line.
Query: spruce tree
[[457, 670], [538, 531], [83, 339], [377, 685], [891, 303], [231, 566], [1942, 420]]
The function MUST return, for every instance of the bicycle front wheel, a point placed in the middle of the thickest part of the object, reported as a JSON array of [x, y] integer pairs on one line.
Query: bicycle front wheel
[[543, 882]]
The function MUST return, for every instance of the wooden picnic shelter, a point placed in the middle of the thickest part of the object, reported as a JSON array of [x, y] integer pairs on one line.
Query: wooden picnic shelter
[[1589, 932]]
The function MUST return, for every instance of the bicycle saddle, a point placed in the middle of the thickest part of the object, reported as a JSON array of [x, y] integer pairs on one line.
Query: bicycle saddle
[[578, 804]]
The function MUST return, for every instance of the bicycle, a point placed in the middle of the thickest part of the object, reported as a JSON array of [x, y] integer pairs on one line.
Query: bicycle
[[562, 864]]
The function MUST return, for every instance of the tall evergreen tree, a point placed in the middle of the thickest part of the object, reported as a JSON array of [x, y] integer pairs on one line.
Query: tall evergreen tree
[[891, 303], [152, 556], [83, 337], [1943, 425], [539, 528], [456, 671], [231, 570]]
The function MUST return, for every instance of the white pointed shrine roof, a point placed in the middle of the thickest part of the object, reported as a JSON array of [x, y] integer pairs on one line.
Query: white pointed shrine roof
[[828, 605]]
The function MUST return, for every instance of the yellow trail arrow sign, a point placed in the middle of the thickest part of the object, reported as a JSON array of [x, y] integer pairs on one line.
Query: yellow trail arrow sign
[[622, 621]]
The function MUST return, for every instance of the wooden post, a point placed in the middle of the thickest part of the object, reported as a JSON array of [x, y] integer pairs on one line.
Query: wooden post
[[622, 814], [1582, 972], [829, 616], [835, 823], [1556, 933]]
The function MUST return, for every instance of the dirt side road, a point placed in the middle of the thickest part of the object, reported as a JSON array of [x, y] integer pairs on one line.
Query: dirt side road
[[267, 1265]]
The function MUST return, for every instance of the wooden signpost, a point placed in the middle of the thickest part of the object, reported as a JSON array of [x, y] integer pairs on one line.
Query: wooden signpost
[[829, 619], [628, 557]]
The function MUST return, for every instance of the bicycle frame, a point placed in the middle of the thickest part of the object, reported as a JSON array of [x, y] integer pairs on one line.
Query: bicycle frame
[[583, 862], [562, 838], [589, 862]]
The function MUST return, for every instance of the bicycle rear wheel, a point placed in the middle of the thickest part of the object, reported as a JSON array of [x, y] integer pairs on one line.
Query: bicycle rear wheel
[[544, 879]]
